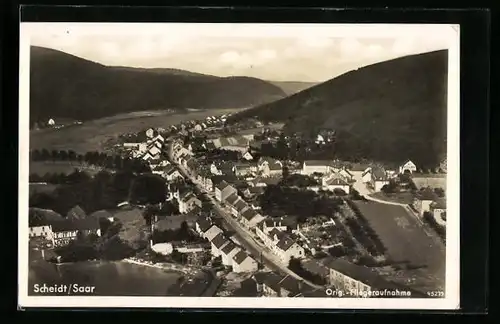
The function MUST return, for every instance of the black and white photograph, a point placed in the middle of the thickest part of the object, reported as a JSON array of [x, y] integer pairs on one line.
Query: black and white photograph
[[239, 165]]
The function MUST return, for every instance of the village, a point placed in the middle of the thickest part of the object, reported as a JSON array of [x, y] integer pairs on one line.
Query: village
[[265, 226]]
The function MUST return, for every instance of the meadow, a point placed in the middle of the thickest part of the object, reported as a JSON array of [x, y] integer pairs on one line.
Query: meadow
[[406, 239]]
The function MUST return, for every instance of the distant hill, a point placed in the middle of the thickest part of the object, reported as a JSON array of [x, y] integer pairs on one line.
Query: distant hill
[[389, 111], [292, 87], [66, 86]]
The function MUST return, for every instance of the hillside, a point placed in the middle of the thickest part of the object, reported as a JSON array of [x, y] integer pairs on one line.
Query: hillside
[[292, 87], [389, 111], [65, 86]]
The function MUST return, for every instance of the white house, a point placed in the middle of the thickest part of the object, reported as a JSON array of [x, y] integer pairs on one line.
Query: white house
[[217, 243], [285, 247], [150, 133], [408, 166], [332, 183], [247, 156], [40, 229], [51, 122], [366, 176], [212, 232], [315, 166], [239, 207], [188, 202], [228, 252], [348, 176], [202, 225], [242, 262], [250, 218], [224, 190], [379, 178]]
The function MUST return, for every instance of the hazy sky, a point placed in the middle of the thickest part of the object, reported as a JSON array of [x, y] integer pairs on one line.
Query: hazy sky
[[271, 52]]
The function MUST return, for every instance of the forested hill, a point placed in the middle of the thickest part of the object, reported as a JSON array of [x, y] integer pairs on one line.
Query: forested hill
[[66, 86], [389, 111]]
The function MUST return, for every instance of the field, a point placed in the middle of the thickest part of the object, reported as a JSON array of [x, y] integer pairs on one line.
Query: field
[[406, 240], [43, 167], [400, 197], [41, 188], [94, 135]]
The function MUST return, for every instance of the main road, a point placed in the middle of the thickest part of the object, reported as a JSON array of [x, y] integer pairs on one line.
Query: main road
[[242, 235]]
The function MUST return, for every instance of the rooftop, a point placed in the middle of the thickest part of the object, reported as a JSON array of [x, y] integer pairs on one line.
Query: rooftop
[[232, 199], [285, 243], [240, 257], [229, 247], [76, 213], [219, 240], [204, 223], [317, 162], [360, 273], [249, 214], [75, 225]]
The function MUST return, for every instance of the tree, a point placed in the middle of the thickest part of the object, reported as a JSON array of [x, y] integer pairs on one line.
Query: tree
[[63, 155], [55, 155], [148, 189], [439, 192], [45, 155], [149, 213]]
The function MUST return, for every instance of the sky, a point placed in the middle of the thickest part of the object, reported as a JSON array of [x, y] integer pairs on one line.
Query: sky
[[309, 53]]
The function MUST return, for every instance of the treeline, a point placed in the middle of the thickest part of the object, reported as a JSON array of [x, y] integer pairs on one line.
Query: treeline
[[93, 158], [304, 204], [104, 191], [363, 232], [76, 176]]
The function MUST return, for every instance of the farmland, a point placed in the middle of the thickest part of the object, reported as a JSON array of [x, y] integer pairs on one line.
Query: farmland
[[406, 240], [95, 135]]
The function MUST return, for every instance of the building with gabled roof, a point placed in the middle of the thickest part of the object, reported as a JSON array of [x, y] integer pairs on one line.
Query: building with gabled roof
[[242, 262], [239, 207], [223, 190], [231, 200], [250, 218], [315, 166], [228, 252], [217, 243], [423, 200], [76, 213]]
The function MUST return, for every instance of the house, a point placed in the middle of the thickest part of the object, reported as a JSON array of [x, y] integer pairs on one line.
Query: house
[[76, 213], [407, 166], [150, 133], [357, 280], [154, 151], [250, 218], [379, 178], [438, 209], [248, 156], [242, 170], [348, 176], [268, 166], [242, 262], [366, 176], [239, 207], [188, 202], [198, 128], [212, 232], [231, 200], [332, 183], [202, 225], [228, 252], [217, 243], [67, 230], [157, 169], [315, 166], [224, 190], [423, 200], [39, 227], [288, 248], [271, 284], [265, 227], [171, 173]]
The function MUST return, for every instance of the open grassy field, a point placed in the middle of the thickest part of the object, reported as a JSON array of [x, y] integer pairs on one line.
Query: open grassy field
[[93, 135], [43, 167], [436, 181], [406, 240]]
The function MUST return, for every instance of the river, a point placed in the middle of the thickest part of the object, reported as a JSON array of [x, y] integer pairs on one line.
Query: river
[[116, 278]]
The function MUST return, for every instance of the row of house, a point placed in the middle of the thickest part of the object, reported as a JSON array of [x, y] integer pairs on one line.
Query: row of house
[[231, 254], [352, 279], [147, 146], [239, 143], [62, 231]]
